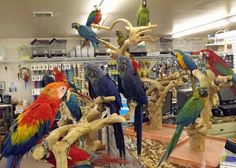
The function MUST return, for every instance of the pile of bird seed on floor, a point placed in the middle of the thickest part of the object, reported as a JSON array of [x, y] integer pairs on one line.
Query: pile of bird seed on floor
[[151, 152]]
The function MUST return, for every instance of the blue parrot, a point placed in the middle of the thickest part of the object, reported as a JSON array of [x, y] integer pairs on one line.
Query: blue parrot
[[87, 33], [188, 115], [132, 88], [102, 85], [186, 63]]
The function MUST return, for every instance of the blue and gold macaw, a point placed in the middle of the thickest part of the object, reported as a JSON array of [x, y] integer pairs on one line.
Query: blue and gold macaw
[[102, 85], [34, 123], [131, 86], [186, 63], [187, 115], [87, 33]]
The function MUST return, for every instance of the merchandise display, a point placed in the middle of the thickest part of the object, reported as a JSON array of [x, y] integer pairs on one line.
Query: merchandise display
[[136, 84]]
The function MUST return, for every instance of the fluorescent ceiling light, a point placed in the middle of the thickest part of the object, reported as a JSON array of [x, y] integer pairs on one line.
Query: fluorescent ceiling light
[[201, 28]]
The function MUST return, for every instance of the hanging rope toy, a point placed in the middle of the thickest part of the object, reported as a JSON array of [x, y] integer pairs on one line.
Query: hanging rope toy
[[24, 74]]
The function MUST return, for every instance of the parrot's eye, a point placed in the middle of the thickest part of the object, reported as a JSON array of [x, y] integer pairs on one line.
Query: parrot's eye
[[94, 67]]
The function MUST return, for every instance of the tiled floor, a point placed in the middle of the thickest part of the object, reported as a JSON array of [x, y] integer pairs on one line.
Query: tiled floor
[[28, 162]]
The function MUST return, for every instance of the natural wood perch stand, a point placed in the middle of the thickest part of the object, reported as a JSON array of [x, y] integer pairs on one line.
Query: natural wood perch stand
[[70, 134], [198, 131], [134, 37], [158, 91]]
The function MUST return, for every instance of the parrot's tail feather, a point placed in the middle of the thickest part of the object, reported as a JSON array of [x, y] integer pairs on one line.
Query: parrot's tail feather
[[118, 132], [13, 161], [106, 159], [138, 127], [172, 144], [85, 43]]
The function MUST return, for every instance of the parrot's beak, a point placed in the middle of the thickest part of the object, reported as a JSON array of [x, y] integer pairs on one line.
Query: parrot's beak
[[144, 2], [203, 92]]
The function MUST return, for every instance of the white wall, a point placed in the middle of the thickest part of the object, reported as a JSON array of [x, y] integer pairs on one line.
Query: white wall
[[10, 47]]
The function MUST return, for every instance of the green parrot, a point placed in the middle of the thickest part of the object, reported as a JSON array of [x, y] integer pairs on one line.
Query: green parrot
[[143, 14], [187, 116], [121, 38]]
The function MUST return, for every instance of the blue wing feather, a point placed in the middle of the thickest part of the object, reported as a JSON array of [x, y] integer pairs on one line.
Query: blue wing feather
[[105, 86], [74, 107], [133, 88], [189, 62], [9, 149]]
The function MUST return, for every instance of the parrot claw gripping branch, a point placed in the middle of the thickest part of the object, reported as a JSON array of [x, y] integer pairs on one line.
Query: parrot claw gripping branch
[[86, 128]]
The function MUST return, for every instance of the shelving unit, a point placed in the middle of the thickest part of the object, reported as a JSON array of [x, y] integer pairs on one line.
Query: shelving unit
[[70, 59]]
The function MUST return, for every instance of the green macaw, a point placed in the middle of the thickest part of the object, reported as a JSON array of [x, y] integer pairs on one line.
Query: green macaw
[[121, 38], [187, 116], [143, 14]]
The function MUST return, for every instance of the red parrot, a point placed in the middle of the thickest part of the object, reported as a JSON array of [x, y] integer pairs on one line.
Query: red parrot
[[136, 66], [94, 17], [219, 66], [77, 156], [33, 124]]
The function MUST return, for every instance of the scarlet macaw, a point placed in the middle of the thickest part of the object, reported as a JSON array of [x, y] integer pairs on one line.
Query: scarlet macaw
[[79, 158], [186, 63], [94, 17], [188, 115], [131, 86], [219, 66], [31, 125]]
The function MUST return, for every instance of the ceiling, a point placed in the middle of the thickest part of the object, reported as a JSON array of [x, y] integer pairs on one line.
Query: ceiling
[[17, 20]]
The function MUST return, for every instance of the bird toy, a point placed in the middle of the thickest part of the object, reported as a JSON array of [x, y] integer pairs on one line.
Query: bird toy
[[24, 74]]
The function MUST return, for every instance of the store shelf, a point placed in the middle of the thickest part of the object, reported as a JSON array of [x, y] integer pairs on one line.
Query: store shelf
[[79, 59], [215, 44]]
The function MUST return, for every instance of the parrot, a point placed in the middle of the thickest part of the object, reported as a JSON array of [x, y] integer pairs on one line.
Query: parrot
[[79, 158], [137, 67], [186, 63], [131, 86], [94, 17], [219, 66], [33, 124], [72, 101], [121, 38], [87, 33], [187, 116], [143, 14], [47, 79], [101, 84]]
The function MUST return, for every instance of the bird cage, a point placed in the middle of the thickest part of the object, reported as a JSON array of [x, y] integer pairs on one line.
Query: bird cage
[[40, 48], [24, 52], [57, 48]]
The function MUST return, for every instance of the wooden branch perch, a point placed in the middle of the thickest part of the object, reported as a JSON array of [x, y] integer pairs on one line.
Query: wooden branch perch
[[134, 37], [158, 91], [71, 133]]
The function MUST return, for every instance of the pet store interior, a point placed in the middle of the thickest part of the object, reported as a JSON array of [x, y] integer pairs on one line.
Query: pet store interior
[[118, 84]]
